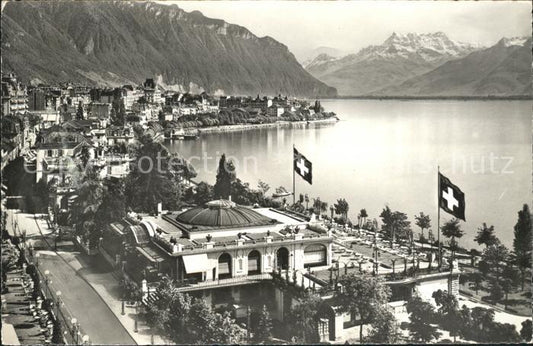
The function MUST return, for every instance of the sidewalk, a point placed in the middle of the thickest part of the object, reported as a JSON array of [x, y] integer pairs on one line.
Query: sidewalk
[[16, 311]]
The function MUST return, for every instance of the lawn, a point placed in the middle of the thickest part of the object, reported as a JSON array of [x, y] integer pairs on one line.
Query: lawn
[[518, 301]]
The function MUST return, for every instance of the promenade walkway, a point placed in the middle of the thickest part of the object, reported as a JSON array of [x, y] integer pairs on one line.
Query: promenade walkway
[[16, 311]]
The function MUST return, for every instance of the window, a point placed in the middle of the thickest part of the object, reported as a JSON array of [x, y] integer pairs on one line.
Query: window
[[60, 152], [50, 153], [240, 263]]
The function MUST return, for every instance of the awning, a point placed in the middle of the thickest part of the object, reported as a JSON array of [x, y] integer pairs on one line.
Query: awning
[[9, 335], [196, 263]]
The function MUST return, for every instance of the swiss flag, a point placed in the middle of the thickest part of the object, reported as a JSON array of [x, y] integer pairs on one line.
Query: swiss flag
[[451, 198], [303, 167]]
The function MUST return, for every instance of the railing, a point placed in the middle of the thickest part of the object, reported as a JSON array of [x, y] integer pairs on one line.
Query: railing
[[168, 246], [74, 333], [229, 281]]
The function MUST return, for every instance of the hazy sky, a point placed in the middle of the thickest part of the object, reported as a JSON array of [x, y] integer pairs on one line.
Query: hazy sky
[[351, 25]]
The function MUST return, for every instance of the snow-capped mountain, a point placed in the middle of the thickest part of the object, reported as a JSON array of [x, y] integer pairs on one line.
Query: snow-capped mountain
[[501, 70], [429, 47], [513, 41], [319, 60], [397, 59]]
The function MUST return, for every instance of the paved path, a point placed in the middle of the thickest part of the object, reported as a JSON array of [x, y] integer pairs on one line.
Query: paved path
[[15, 310], [499, 316]]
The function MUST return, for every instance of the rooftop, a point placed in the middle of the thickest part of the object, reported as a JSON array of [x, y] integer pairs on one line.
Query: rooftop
[[221, 214]]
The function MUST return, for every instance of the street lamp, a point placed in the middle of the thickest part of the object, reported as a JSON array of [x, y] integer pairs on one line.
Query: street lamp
[[47, 279], [75, 327], [58, 303]]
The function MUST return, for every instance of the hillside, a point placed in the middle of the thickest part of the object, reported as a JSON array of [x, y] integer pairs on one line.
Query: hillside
[[396, 60], [501, 70], [114, 43]]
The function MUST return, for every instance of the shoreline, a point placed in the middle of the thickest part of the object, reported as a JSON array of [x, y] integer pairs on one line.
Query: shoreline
[[457, 98], [244, 127]]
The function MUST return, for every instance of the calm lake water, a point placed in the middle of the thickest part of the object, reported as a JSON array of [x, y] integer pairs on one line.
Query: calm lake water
[[387, 152]]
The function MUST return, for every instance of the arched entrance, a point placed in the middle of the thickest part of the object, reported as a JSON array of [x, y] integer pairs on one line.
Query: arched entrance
[[315, 255], [282, 258], [254, 262], [224, 266]]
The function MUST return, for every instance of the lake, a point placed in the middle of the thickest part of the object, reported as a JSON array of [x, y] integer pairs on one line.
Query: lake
[[387, 152]]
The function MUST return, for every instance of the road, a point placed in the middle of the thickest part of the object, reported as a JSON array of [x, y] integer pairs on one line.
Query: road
[[95, 317], [80, 299]]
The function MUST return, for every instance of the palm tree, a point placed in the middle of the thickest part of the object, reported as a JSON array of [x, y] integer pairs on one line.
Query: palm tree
[[342, 207], [363, 214], [423, 221], [452, 229]]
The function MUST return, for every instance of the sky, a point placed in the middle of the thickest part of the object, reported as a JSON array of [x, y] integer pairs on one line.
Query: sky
[[351, 25]]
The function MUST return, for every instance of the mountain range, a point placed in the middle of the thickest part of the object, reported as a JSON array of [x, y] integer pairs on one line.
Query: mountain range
[[113, 43], [429, 65]]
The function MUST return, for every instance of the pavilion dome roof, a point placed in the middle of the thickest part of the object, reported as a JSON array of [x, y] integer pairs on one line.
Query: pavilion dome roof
[[223, 213]]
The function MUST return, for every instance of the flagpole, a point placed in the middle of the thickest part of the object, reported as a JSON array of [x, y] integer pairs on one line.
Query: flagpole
[[293, 178], [438, 217]]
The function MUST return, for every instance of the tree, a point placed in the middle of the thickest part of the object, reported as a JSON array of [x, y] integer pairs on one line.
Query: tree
[[494, 256], [362, 296], [450, 316], [477, 279], [341, 208], [452, 229], [394, 224], [421, 313], [263, 187], [303, 318], [384, 328], [262, 330], [118, 112], [225, 176], [185, 320], [423, 221], [485, 235], [57, 333], [113, 206], [526, 331], [522, 241], [79, 111], [496, 291], [204, 193], [84, 208], [319, 206], [152, 180], [85, 157], [363, 214], [482, 321]]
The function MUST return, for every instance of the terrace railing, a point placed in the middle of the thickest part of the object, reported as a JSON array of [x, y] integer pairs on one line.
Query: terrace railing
[[191, 285]]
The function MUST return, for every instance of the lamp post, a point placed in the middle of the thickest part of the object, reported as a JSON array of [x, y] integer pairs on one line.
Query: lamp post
[[47, 279], [58, 303], [36, 259], [75, 327]]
